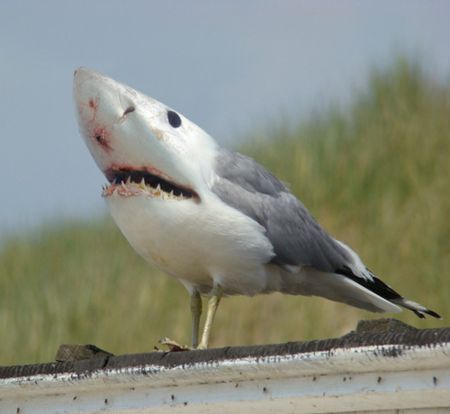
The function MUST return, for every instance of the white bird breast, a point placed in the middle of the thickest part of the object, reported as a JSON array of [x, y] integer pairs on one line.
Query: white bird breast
[[202, 243]]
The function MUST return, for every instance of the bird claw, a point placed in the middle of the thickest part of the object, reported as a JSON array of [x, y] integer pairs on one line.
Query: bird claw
[[173, 346]]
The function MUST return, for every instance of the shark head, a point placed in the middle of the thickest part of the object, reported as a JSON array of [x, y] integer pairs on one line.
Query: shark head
[[143, 147]]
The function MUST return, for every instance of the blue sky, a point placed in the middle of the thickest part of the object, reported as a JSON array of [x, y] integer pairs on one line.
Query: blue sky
[[233, 67]]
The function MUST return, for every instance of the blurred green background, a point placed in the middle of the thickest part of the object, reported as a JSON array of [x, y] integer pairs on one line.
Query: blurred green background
[[375, 174]]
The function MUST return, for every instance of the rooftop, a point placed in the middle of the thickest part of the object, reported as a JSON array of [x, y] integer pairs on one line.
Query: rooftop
[[383, 364]]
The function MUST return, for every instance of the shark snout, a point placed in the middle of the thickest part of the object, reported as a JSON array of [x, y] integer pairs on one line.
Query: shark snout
[[94, 93], [111, 120]]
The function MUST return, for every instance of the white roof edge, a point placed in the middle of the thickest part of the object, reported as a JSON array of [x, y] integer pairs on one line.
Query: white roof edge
[[379, 358]]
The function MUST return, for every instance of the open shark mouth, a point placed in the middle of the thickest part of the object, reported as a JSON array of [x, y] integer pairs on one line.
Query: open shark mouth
[[128, 182]]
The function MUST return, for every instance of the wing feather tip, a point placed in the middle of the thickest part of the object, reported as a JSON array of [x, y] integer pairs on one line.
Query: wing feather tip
[[419, 310]]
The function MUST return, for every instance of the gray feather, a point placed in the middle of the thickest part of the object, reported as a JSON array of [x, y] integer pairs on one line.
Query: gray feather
[[296, 237]]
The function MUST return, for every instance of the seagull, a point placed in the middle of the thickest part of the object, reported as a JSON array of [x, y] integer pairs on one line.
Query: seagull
[[214, 219]]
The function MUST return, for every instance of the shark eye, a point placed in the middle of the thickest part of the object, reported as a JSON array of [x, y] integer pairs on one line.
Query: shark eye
[[174, 119]]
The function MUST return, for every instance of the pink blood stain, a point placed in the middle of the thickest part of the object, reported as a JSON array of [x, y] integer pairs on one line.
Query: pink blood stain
[[89, 108], [101, 136], [93, 106]]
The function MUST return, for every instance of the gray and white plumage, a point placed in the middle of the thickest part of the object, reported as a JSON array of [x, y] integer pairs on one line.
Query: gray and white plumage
[[210, 217], [298, 241]]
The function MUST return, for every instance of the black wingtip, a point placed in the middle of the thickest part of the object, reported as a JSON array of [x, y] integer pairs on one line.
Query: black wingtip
[[380, 288], [421, 315], [433, 314]]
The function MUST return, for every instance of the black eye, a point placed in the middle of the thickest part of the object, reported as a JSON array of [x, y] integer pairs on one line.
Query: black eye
[[174, 119]]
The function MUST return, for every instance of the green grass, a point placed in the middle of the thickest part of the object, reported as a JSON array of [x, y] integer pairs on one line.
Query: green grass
[[375, 174]]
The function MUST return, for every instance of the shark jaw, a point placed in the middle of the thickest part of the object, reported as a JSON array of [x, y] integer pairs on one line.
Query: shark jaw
[[145, 181]]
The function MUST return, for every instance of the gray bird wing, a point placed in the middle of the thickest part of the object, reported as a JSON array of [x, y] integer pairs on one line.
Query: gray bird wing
[[296, 237]]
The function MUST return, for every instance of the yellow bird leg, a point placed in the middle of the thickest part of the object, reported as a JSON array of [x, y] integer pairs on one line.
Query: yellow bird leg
[[213, 303], [196, 312]]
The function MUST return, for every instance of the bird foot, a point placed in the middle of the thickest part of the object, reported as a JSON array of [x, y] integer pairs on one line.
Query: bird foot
[[173, 346]]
